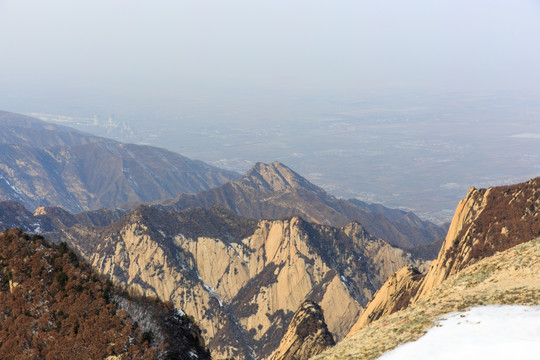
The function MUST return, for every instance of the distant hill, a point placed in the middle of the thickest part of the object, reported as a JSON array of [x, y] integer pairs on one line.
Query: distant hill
[[273, 191], [54, 306], [52, 165]]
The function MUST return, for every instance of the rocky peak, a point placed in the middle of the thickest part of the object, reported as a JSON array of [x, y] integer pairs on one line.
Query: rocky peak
[[14, 215], [306, 336], [395, 294], [241, 279], [487, 221], [274, 191], [274, 177]]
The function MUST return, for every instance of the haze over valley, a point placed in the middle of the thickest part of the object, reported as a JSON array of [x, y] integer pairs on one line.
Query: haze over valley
[[273, 180], [405, 104], [417, 151]]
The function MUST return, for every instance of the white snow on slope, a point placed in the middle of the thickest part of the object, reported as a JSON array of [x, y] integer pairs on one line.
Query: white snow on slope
[[487, 332]]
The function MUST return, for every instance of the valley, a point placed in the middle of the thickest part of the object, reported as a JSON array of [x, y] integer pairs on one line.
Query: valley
[[268, 264], [269, 180]]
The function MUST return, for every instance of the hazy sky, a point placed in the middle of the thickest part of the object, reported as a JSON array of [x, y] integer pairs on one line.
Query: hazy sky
[[394, 101], [209, 48]]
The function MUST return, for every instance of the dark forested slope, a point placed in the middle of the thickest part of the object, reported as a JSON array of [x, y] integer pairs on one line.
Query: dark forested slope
[[53, 306]]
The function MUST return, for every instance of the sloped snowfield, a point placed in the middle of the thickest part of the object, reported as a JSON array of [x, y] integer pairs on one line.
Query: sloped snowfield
[[485, 332]]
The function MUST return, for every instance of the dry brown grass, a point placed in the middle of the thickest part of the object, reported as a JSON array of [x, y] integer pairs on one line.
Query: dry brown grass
[[509, 277]]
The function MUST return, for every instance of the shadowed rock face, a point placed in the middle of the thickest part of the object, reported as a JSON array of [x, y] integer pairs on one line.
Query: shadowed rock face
[[306, 336], [486, 221], [51, 165], [273, 191]]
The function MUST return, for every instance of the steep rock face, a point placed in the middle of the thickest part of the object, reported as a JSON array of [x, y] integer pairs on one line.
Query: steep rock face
[[273, 191], [485, 222], [306, 336], [395, 294], [50, 165], [241, 279], [509, 277]]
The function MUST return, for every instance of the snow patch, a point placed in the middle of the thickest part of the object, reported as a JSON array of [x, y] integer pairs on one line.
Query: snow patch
[[212, 292], [13, 187], [486, 332]]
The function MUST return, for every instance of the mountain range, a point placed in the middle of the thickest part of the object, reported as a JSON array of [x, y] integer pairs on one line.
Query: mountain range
[[52, 165], [43, 164], [274, 191], [239, 257], [231, 273], [241, 279], [268, 264]]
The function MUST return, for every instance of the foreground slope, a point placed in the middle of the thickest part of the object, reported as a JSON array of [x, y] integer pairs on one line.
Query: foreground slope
[[486, 221], [51, 165], [54, 306], [508, 277], [481, 332], [241, 279], [273, 191], [487, 224]]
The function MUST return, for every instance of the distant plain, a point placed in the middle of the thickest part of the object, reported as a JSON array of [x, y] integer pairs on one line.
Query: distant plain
[[414, 150]]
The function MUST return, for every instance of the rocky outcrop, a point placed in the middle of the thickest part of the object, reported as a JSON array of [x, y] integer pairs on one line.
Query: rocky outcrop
[[51, 165], [306, 336], [241, 279], [273, 191], [510, 277], [395, 294], [486, 221]]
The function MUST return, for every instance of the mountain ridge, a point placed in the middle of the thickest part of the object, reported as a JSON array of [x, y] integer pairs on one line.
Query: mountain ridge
[[275, 191], [234, 274], [52, 165]]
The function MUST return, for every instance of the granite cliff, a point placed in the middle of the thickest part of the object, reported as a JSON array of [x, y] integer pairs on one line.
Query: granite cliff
[[487, 223], [241, 279], [306, 336]]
